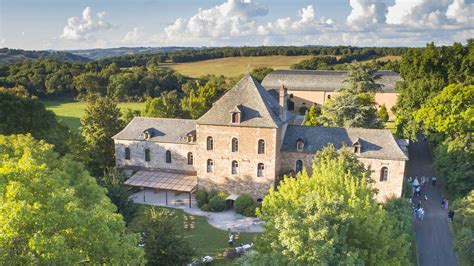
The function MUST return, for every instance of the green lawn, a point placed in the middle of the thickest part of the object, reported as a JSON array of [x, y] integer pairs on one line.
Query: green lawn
[[206, 239], [71, 112]]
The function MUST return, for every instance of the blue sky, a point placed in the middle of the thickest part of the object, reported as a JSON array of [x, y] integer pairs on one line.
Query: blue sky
[[77, 24]]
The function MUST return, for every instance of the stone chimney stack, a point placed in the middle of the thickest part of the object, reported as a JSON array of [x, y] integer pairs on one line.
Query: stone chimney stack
[[283, 102]]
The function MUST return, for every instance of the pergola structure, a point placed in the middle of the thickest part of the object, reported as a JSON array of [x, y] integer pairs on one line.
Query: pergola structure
[[167, 181]]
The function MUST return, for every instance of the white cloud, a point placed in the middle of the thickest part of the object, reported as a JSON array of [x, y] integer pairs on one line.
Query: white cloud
[[135, 36], [366, 13], [420, 13], [461, 12], [306, 23], [232, 18], [85, 27]]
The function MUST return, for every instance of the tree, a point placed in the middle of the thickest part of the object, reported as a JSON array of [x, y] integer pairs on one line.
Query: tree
[[354, 106], [447, 120], [162, 243], [259, 73], [89, 83], [52, 212], [167, 106], [382, 113], [119, 193], [362, 79], [347, 109], [311, 117], [100, 123], [464, 229], [22, 114], [330, 217]]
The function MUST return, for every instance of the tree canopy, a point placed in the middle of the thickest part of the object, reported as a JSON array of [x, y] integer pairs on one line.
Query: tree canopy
[[101, 121], [330, 218], [52, 212]]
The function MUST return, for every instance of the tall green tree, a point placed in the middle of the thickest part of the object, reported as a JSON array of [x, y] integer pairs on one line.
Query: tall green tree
[[330, 218], [52, 212], [448, 120], [311, 117], [382, 113], [100, 123], [162, 242], [167, 105], [354, 106]]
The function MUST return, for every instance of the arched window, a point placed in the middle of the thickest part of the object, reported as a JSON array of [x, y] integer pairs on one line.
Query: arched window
[[261, 146], [210, 166], [260, 170], [384, 174], [127, 153], [168, 157], [235, 167], [235, 145], [299, 166], [147, 155], [210, 143], [190, 158]]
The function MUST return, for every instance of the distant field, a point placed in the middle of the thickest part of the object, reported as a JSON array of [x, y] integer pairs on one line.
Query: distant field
[[235, 66], [71, 112]]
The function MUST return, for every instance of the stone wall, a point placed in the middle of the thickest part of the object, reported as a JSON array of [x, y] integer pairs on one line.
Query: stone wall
[[392, 187], [179, 153], [246, 180]]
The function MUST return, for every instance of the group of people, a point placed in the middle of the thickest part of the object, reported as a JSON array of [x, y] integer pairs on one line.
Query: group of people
[[445, 205]]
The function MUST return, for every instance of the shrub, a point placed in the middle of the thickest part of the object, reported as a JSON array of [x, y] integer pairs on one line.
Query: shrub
[[250, 211], [217, 203], [211, 194], [205, 207], [201, 198], [242, 203], [302, 110]]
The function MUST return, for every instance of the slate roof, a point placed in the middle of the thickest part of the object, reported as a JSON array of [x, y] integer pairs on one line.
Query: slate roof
[[321, 80], [258, 108], [375, 143], [161, 129]]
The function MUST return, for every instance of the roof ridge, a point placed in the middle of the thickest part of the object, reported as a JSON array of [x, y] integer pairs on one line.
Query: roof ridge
[[262, 91], [163, 118]]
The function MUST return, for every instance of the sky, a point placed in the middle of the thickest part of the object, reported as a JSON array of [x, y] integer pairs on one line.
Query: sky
[[83, 24]]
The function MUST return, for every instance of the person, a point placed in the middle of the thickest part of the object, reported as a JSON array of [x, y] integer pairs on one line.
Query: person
[[231, 240], [433, 181], [418, 191], [446, 204], [421, 213], [419, 205], [442, 202], [451, 215]]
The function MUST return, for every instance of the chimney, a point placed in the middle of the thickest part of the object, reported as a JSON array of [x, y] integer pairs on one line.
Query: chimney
[[283, 102]]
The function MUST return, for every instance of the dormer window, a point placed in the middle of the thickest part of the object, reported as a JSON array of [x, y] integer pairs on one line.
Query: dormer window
[[235, 118], [357, 147], [147, 134], [235, 115], [299, 145], [191, 136]]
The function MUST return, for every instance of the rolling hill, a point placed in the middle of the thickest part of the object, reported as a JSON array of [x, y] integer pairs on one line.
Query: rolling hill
[[8, 56]]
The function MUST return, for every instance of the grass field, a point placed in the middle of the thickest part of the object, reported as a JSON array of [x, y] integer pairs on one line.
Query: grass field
[[208, 240], [235, 66], [71, 112]]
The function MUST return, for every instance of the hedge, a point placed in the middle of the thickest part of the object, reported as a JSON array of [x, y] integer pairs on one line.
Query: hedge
[[242, 203]]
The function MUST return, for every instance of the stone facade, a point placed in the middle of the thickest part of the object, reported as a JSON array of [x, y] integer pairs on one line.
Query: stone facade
[[179, 155], [247, 157], [392, 187]]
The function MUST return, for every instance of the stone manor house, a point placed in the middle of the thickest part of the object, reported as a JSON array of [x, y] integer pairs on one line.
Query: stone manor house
[[244, 144]]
